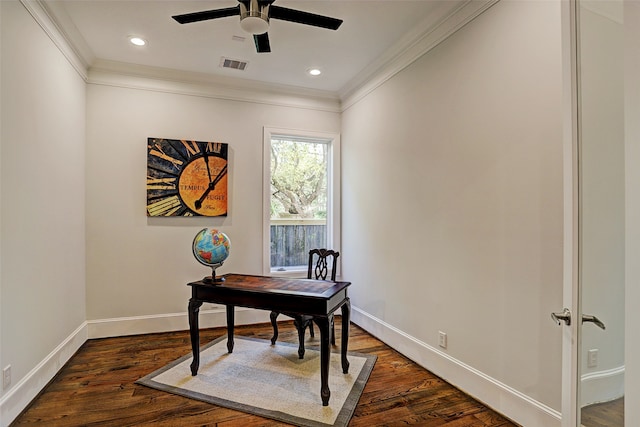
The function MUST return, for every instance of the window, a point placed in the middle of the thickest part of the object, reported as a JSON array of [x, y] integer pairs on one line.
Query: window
[[301, 198]]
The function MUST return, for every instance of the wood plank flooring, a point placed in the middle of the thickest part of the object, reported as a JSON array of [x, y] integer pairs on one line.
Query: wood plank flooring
[[608, 414], [96, 388]]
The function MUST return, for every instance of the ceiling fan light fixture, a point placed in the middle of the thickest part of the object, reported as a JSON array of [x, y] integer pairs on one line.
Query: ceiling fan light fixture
[[255, 19], [254, 25]]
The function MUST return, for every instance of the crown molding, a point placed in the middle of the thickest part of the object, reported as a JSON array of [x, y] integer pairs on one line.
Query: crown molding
[[426, 36], [132, 76], [43, 17], [431, 32], [57, 24]]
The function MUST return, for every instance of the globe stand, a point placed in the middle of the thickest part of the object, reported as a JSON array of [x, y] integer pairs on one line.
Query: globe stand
[[213, 280]]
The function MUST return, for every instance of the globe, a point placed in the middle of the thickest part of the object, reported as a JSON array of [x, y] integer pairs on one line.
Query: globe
[[211, 248]]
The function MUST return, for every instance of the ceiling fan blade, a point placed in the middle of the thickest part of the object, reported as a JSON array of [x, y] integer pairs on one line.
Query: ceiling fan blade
[[292, 15], [207, 14], [262, 43]]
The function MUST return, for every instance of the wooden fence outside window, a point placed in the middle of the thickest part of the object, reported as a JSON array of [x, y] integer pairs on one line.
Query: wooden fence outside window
[[293, 238]]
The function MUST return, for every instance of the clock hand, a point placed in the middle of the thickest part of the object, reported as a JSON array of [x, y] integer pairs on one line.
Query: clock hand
[[206, 162], [211, 186], [220, 175]]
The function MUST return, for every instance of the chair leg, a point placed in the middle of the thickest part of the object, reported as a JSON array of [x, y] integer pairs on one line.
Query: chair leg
[[332, 331], [274, 323], [311, 329]]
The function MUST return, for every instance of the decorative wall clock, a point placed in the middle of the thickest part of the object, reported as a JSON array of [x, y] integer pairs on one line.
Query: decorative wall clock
[[186, 178]]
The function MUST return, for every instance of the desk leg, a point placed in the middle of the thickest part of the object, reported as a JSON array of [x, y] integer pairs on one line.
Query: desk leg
[[230, 323], [346, 314], [300, 327], [325, 355], [274, 324], [194, 331]]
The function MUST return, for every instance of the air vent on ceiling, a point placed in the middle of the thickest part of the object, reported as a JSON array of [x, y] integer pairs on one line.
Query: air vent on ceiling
[[235, 64]]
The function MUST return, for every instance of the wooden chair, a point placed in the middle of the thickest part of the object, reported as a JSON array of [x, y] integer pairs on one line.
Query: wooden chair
[[319, 270]]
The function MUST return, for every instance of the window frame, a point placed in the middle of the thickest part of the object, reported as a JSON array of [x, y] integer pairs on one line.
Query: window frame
[[333, 194]]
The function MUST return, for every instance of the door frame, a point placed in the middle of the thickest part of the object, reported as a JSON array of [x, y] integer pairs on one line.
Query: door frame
[[571, 279]]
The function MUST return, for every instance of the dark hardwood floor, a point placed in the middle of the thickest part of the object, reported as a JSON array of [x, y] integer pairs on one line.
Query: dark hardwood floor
[[608, 414], [96, 388]]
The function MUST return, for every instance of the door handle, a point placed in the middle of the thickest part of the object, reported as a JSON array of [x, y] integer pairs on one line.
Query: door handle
[[565, 317], [593, 319]]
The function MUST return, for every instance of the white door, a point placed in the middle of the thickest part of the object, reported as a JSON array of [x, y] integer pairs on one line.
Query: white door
[[595, 247], [602, 212]]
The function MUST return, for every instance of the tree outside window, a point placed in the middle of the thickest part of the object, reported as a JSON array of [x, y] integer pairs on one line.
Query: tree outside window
[[298, 179]]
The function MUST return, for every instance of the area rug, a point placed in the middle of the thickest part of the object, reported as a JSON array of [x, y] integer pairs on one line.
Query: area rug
[[268, 380]]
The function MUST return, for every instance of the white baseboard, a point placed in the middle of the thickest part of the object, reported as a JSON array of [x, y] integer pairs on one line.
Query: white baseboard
[[511, 403], [210, 318], [20, 395], [602, 386]]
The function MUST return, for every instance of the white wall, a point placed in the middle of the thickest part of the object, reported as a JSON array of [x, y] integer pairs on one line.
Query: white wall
[[1, 138], [632, 198], [452, 220], [42, 279], [139, 266]]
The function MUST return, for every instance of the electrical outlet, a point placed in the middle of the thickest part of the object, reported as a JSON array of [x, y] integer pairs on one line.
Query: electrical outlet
[[6, 377], [442, 339], [592, 358]]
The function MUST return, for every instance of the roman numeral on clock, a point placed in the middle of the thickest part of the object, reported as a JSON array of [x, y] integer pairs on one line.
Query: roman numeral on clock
[[164, 207], [158, 152], [214, 147], [191, 146], [161, 183]]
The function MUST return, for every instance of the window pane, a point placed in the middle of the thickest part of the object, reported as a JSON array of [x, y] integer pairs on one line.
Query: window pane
[[299, 170]]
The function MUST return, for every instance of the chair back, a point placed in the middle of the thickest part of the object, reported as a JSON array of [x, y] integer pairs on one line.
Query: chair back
[[319, 265]]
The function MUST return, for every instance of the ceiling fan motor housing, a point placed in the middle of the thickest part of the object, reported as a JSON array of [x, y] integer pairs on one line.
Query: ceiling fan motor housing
[[255, 18]]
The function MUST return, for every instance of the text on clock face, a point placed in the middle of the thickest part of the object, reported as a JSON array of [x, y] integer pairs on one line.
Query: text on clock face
[[203, 168], [194, 188]]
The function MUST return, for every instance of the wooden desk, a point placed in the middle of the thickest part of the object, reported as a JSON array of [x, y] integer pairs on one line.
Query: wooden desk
[[299, 296]]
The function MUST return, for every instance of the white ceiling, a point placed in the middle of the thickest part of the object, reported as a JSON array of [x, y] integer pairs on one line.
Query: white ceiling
[[372, 32]]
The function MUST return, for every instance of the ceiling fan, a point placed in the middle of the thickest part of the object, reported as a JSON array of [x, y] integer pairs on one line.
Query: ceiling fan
[[255, 16]]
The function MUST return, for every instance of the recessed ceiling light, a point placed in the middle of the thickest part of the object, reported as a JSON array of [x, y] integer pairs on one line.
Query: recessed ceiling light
[[314, 71], [138, 41]]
